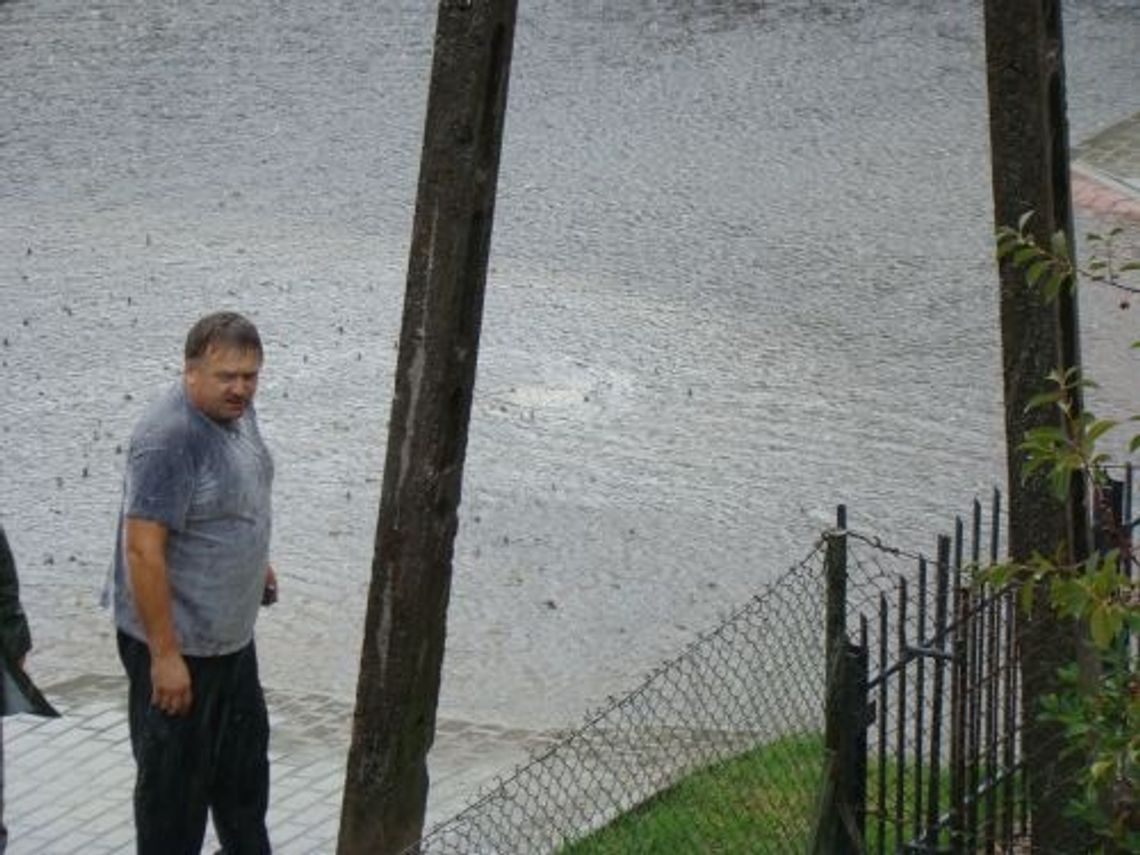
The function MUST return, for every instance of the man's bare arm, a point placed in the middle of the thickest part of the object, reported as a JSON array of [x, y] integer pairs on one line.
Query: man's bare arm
[[146, 566]]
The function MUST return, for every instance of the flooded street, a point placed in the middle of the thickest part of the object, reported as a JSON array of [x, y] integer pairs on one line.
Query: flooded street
[[740, 273]]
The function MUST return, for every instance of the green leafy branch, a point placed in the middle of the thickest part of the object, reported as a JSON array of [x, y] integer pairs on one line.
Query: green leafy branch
[[1052, 268], [1100, 716], [1070, 448]]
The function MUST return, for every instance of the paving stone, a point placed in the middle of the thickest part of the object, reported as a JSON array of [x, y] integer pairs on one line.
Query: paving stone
[[286, 832], [107, 719], [42, 822], [120, 837], [72, 841], [70, 779], [111, 818], [27, 845]]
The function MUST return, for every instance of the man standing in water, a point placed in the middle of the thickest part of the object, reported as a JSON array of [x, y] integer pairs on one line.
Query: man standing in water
[[191, 568]]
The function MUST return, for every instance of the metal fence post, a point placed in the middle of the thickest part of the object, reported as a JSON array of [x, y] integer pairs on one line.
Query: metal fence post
[[830, 835], [841, 819], [938, 644], [835, 564], [838, 719], [854, 749]]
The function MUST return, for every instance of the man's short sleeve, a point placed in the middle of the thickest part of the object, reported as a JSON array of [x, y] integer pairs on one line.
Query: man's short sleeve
[[159, 484]]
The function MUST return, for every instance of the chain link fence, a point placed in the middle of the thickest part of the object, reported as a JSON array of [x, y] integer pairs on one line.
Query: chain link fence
[[742, 743], [718, 750]]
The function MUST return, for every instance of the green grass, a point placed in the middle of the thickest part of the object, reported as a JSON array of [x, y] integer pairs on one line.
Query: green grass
[[761, 801], [890, 832]]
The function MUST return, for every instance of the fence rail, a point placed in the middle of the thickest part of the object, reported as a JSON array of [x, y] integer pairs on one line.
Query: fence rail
[[926, 736]]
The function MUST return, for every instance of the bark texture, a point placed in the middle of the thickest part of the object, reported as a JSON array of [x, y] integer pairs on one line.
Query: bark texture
[[1030, 156], [394, 723]]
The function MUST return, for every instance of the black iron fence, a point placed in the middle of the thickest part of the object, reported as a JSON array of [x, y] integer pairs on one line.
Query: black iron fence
[[866, 700], [722, 749], [924, 715], [925, 712]]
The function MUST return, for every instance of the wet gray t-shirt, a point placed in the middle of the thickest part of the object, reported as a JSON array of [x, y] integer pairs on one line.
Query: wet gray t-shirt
[[209, 484]]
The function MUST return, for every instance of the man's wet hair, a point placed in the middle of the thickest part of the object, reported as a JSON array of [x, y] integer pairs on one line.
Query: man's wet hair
[[221, 329]]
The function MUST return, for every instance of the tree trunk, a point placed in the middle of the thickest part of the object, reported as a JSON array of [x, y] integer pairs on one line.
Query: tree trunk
[[1030, 153], [394, 724]]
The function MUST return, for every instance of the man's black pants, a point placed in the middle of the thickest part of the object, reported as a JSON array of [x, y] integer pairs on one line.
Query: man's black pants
[[214, 758]]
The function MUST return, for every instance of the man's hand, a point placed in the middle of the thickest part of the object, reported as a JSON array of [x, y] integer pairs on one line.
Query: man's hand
[[145, 542], [269, 593], [170, 684]]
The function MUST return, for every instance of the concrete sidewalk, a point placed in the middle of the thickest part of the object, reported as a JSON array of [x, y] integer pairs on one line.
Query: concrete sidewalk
[[1106, 172], [68, 780]]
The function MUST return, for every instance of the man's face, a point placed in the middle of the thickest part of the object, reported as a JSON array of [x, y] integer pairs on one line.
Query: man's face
[[223, 381]]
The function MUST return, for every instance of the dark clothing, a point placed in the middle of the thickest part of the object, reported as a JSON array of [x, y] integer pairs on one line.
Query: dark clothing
[[15, 639], [15, 642], [17, 694], [214, 758]]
